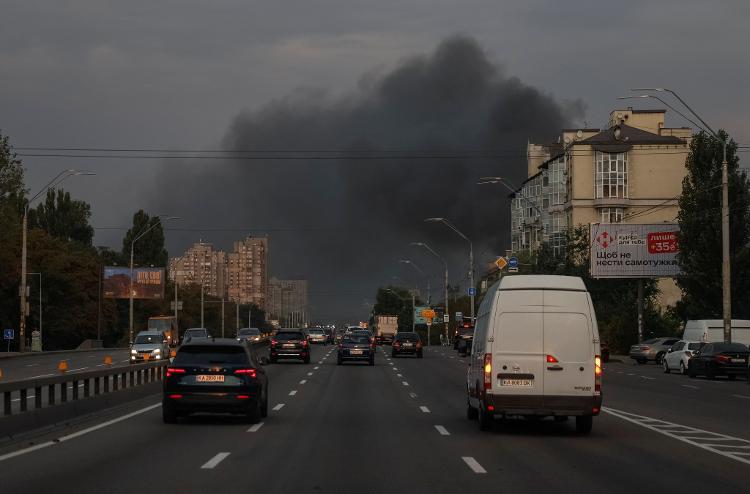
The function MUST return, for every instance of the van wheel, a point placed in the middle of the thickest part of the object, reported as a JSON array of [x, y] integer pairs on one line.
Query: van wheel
[[584, 423], [666, 366], [486, 419], [471, 412]]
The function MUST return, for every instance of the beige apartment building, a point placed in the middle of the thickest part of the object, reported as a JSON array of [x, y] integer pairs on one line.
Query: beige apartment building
[[287, 302], [201, 264], [247, 271]]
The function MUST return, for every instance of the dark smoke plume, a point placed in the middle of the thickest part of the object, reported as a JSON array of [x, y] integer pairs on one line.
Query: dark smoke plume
[[344, 224]]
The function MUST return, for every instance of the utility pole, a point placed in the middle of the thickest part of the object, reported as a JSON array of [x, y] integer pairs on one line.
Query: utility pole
[[237, 307]]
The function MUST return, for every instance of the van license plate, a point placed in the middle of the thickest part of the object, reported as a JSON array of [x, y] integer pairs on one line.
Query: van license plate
[[517, 383], [215, 378]]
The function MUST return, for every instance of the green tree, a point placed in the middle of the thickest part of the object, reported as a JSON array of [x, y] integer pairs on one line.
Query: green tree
[[12, 201], [395, 301], [149, 250], [700, 231], [63, 217]]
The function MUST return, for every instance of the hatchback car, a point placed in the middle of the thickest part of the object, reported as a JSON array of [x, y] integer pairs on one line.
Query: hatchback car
[[719, 359], [356, 346], [290, 344], [215, 376], [149, 345], [679, 355], [653, 349], [318, 336], [406, 343]]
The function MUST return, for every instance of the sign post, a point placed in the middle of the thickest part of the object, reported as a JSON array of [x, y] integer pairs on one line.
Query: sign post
[[8, 335], [428, 314]]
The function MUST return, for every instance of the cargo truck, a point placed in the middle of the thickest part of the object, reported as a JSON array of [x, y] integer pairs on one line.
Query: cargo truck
[[166, 324], [385, 328]]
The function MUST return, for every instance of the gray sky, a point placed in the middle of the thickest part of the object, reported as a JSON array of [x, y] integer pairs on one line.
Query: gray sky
[[176, 74]]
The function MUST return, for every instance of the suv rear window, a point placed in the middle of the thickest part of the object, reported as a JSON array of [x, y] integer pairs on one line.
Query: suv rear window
[[729, 347], [404, 336], [211, 354], [289, 335]]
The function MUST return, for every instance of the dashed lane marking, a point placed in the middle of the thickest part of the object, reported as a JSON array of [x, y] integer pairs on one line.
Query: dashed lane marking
[[649, 378], [442, 430], [690, 386], [256, 427], [473, 464], [316, 368], [43, 375], [742, 396], [79, 369], [31, 365], [399, 375], [424, 409], [278, 407], [214, 461], [720, 444], [413, 395], [293, 392], [303, 381], [404, 383], [309, 373]]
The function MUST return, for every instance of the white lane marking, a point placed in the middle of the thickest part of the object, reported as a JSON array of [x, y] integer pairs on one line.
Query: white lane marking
[[293, 392], [473, 464], [424, 409], [43, 375], [309, 373], [320, 362], [76, 370], [395, 368], [413, 395], [31, 365], [697, 438], [690, 386], [404, 383], [303, 381], [124, 361], [77, 434], [316, 368], [742, 396], [399, 375], [631, 374], [256, 427], [214, 461], [278, 407], [442, 430], [649, 378]]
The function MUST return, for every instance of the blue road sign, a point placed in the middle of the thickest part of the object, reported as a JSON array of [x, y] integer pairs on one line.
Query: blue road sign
[[8, 334], [472, 291], [513, 262]]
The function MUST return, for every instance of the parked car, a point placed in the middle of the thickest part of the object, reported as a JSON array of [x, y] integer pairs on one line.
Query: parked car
[[719, 359], [196, 333], [406, 343], [290, 343], [535, 352], [149, 345], [357, 346], [679, 355], [215, 376], [251, 335], [652, 349]]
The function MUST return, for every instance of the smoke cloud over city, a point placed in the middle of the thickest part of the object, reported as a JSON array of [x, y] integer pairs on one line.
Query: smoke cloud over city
[[342, 183]]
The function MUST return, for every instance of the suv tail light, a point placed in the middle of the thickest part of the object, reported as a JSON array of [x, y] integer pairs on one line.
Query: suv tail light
[[247, 372], [396, 344], [722, 359], [172, 371], [304, 343], [274, 343], [419, 344], [598, 375], [487, 371]]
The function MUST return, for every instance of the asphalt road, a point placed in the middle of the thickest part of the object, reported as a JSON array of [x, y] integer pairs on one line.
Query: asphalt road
[[400, 427], [45, 365]]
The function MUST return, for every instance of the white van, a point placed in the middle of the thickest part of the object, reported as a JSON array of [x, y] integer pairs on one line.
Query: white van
[[710, 330], [536, 352]]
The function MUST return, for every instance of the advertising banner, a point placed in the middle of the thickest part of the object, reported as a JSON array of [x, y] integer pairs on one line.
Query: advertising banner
[[148, 283], [418, 317], [621, 250]]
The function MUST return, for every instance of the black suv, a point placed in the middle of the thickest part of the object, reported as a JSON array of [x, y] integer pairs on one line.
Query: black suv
[[406, 343], [290, 343], [215, 376]]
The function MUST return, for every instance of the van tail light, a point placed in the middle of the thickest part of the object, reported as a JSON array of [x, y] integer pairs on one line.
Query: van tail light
[[173, 371], [598, 375], [552, 360], [487, 371], [246, 372], [721, 359]]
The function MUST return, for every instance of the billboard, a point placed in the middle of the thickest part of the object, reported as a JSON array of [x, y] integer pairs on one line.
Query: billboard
[[148, 283], [418, 318], [621, 250]]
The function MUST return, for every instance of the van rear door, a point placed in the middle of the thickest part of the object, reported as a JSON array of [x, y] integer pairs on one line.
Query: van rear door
[[568, 347]]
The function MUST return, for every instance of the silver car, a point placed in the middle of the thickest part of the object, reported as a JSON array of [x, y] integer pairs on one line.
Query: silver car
[[653, 349], [193, 333], [249, 334], [149, 345]]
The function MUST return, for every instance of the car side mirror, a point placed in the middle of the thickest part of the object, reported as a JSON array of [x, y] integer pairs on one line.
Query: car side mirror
[[669, 351]]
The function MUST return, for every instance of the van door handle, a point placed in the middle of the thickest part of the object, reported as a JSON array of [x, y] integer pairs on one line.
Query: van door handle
[[554, 368]]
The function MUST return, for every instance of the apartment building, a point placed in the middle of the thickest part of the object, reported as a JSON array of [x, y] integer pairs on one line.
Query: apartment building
[[247, 271], [630, 172], [201, 264], [287, 302]]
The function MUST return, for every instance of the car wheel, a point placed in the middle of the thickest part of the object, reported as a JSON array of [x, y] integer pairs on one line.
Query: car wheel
[[471, 412], [665, 365], [710, 374], [683, 371], [732, 377], [584, 423], [264, 406], [690, 371], [641, 361], [486, 419], [339, 362], [393, 354], [419, 355], [307, 360], [168, 416], [253, 416], [372, 361], [659, 358], [272, 360]]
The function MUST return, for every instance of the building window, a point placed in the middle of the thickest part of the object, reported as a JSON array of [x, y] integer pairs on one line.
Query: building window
[[611, 215], [611, 175]]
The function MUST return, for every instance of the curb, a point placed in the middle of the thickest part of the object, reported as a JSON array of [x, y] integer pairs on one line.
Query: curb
[[4, 356]]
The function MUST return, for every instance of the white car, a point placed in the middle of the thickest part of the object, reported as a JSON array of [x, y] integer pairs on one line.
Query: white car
[[679, 354]]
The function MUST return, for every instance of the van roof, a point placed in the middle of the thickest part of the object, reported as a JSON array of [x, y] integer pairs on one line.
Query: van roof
[[711, 323], [542, 282]]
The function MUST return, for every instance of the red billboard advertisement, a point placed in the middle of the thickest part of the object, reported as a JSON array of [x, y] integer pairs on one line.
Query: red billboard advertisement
[[148, 283]]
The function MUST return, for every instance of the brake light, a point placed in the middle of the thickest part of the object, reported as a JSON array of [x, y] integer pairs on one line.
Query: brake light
[[243, 397], [597, 376], [598, 365], [487, 371], [304, 343], [722, 358], [396, 344], [552, 360], [171, 371], [247, 372], [274, 343], [419, 344], [175, 397]]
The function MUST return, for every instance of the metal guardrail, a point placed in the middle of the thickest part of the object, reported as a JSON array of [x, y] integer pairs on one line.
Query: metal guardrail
[[93, 383]]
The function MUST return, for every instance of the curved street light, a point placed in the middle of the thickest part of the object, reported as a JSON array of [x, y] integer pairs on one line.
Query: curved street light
[[432, 251]]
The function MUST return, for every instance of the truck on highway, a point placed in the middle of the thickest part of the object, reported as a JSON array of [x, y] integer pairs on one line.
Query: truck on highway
[[167, 325], [385, 328]]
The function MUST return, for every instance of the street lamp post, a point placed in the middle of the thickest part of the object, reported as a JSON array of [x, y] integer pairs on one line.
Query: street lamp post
[[24, 229], [414, 265], [725, 261], [471, 257], [413, 303], [447, 312], [132, 250], [41, 341]]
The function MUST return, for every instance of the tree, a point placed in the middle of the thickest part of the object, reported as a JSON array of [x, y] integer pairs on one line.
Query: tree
[[12, 201], [63, 217], [395, 301], [149, 251], [700, 231]]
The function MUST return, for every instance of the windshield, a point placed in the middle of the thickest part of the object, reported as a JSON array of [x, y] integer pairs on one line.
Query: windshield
[[316, 331], [211, 354], [143, 339], [356, 339]]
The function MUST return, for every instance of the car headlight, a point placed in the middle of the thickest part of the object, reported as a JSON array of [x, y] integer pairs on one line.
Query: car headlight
[[133, 352], [158, 350]]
